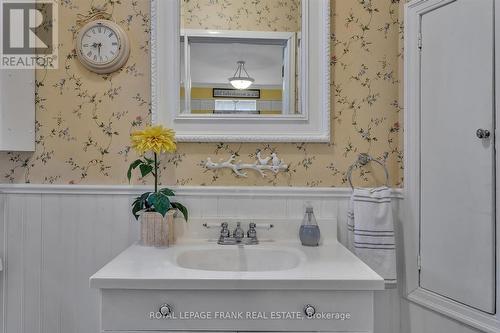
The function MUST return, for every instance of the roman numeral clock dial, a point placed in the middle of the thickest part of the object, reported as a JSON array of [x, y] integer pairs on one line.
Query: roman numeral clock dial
[[102, 46]]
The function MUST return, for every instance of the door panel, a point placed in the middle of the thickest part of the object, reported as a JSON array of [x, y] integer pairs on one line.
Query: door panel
[[457, 168]]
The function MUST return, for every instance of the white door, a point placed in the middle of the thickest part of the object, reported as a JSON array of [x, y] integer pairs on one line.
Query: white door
[[457, 167]]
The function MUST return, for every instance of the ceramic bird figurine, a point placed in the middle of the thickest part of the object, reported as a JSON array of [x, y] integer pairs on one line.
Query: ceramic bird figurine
[[263, 161], [276, 160]]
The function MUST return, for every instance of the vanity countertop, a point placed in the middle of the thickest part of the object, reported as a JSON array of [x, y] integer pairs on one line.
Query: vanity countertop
[[327, 267]]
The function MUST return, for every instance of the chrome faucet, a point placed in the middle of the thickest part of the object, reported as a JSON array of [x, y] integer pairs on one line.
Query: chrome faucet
[[238, 236], [238, 233]]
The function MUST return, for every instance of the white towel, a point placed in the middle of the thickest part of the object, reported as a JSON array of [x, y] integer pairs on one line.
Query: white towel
[[370, 229]]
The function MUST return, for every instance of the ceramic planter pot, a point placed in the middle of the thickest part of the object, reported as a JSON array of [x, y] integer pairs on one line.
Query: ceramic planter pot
[[156, 230]]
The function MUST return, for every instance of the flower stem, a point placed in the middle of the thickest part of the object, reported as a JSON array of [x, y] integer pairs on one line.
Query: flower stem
[[156, 173]]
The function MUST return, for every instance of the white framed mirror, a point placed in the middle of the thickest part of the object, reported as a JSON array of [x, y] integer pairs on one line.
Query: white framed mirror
[[251, 80]]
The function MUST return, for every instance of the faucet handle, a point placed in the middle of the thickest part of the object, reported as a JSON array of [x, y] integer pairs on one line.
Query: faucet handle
[[215, 225], [224, 229], [265, 226], [252, 232]]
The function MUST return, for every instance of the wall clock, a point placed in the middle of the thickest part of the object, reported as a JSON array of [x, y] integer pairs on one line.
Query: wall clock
[[102, 46]]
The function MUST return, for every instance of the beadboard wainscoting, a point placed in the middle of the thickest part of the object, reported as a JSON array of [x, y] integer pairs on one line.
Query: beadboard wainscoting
[[53, 238]]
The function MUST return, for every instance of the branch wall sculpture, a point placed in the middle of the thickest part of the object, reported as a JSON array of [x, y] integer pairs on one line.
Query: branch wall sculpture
[[272, 163]]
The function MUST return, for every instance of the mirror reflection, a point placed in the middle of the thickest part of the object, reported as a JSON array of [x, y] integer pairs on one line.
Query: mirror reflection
[[240, 59]]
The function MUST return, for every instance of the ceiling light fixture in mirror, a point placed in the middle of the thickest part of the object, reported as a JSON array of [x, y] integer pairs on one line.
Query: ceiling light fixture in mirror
[[241, 79]]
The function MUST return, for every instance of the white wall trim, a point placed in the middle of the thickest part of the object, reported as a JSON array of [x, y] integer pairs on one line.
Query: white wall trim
[[455, 310], [234, 191]]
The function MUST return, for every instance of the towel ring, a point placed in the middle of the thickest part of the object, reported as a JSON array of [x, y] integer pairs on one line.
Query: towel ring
[[364, 159]]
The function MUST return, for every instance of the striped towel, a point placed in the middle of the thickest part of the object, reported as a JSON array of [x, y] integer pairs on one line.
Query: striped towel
[[370, 230]]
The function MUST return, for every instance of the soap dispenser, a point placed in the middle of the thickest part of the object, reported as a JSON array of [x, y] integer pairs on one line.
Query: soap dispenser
[[309, 230]]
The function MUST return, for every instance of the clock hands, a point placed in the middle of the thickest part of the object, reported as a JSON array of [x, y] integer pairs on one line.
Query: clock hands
[[98, 46]]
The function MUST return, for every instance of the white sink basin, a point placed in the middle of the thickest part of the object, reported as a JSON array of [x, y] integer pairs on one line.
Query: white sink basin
[[240, 259]]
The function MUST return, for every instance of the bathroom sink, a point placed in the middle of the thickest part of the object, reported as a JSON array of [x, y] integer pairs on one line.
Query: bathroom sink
[[242, 259]]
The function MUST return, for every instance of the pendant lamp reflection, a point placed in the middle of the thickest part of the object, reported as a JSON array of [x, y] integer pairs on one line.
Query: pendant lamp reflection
[[239, 81]]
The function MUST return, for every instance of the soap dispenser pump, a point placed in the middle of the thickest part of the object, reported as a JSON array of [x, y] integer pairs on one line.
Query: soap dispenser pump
[[309, 230]]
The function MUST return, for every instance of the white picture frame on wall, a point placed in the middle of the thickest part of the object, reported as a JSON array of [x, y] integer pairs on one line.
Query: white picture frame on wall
[[311, 125]]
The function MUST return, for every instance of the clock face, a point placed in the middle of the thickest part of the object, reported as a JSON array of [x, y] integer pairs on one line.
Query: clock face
[[102, 46], [99, 44]]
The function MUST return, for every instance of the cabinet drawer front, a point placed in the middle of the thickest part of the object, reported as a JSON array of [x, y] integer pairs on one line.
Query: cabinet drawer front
[[237, 310]]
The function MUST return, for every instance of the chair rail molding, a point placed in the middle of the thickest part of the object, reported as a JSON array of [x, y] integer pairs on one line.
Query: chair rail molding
[[189, 191], [410, 206]]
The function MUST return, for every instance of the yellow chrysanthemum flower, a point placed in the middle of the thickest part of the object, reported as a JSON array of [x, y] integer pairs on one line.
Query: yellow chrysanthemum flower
[[157, 139]]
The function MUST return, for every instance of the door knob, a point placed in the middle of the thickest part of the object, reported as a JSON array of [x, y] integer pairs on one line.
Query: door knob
[[483, 133]]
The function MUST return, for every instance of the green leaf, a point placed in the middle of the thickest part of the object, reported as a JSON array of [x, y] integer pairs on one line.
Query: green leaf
[[145, 169], [151, 199], [140, 203], [160, 203], [133, 166], [163, 196], [181, 208], [145, 196], [136, 208], [142, 199], [167, 192]]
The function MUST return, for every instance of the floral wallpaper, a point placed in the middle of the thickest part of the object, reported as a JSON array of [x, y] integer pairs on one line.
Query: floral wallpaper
[[84, 120], [252, 15]]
